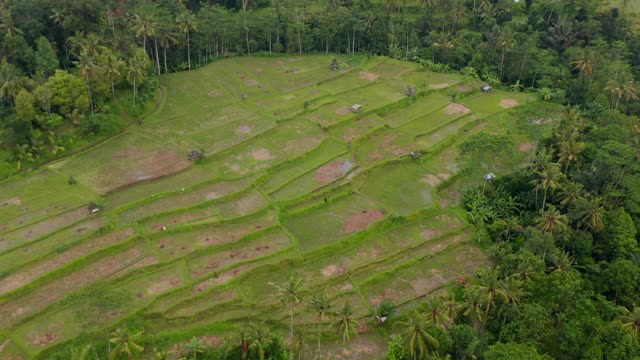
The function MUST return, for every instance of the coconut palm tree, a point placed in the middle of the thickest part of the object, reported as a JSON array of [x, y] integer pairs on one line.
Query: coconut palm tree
[[145, 26], [551, 221], [584, 64], [629, 91], [136, 70], [473, 307], [321, 306], [490, 290], [591, 217], [9, 80], [260, 338], [548, 180], [631, 320], [186, 23], [112, 68], [345, 324], [562, 263], [505, 41], [615, 89], [195, 347], [291, 294], [435, 311], [570, 192], [86, 65], [125, 343], [167, 38], [569, 150], [417, 338]]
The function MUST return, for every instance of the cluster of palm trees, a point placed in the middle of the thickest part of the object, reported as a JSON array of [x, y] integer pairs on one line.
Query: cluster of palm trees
[[292, 294], [486, 296]]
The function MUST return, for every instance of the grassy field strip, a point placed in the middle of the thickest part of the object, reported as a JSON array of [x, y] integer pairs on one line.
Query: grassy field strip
[[37, 301], [196, 196], [283, 175], [39, 271], [26, 201]]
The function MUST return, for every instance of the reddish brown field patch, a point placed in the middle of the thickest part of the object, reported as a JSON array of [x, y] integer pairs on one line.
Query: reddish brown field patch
[[244, 129], [361, 220], [424, 285], [431, 233], [215, 93], [343, 110], [365, 75], [439, 86], [431, 180], [262, 155], [464, 89], [457, 109], [333, 171], [158, 164], [333, 270], [509, 103], [13, 201]]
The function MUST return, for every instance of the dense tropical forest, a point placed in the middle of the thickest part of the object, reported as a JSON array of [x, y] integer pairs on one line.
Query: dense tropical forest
[[561, 232]]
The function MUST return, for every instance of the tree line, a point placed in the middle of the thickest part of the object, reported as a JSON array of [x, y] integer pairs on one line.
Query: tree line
[[63, 63]]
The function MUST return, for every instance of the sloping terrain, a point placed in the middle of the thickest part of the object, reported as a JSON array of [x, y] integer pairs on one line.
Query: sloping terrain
[[294, 183]]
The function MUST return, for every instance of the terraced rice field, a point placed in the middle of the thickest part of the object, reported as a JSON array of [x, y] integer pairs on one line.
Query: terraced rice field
[[294, 184]]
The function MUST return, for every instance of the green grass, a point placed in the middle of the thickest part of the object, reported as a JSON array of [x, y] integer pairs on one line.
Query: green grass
[[292, 184], [413, 193]]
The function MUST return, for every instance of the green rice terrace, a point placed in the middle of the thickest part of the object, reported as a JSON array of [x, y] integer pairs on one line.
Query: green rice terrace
[[295, 182]]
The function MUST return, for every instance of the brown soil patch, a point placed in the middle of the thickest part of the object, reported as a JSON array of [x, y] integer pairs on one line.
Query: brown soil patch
[[425, 285], [333, 171], [22, 278], [213, 263], [127, 154], [13, 201], [257, 70], [215, 93], [333, 271], [431, 233], [431, 180], [158, 164], [44, 339], [509, 103], [464, 89], [365, 75], [526, 146], [262, 155], [13, 311], [439, 86], [343, 110], [221, 278], [444, 176], [457, 109], [361, 220], [244, 129]]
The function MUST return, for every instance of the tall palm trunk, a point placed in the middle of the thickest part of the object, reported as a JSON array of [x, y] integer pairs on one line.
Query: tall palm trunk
[[157, 57], [188, 51], [164, 50], [291, 331], [86, 76], [319, 346], [135, 91], [113, 90]]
